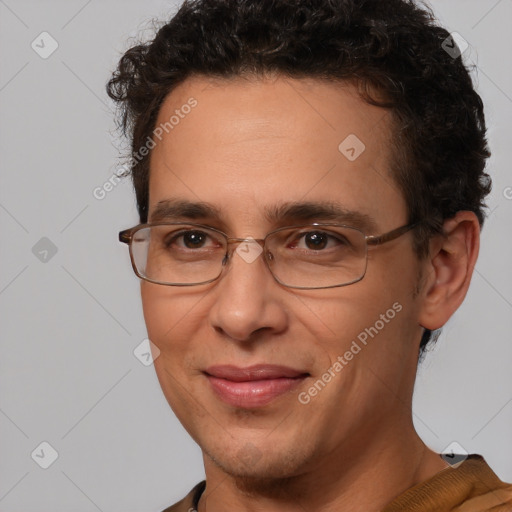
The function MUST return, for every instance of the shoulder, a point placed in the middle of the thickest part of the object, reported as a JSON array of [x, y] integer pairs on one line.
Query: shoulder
[[489, 492], [471, 485]]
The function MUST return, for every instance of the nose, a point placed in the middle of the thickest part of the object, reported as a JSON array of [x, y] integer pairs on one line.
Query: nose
[[247, 298]]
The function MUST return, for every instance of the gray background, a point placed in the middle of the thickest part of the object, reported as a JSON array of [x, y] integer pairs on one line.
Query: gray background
[[69, 325]]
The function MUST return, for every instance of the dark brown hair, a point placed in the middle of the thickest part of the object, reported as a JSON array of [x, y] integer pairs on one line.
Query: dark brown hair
[[393, 48]]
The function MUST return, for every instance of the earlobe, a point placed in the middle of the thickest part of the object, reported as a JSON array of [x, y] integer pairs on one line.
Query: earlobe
[[450, 266]]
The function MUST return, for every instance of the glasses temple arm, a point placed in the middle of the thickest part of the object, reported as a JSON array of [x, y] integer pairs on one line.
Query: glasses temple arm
[[125, 236], [387, 237]]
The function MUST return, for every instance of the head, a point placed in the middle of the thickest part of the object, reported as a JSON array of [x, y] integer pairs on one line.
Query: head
[[240, 114]]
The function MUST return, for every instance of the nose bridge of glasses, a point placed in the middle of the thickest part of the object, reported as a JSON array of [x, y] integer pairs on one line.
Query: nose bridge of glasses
[[249, 249], [233, 241]]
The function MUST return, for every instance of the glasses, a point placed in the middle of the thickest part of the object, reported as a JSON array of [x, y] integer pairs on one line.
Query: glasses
[[311, 256]]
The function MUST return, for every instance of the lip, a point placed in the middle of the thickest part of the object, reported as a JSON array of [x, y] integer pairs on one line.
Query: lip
[[252, 386]]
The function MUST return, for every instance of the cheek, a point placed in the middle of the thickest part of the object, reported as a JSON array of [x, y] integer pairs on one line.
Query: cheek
[[171, 317], [171, 320], [157, 316], [370, 324]]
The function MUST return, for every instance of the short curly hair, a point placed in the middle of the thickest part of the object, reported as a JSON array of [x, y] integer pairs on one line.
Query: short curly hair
[[393, 50]]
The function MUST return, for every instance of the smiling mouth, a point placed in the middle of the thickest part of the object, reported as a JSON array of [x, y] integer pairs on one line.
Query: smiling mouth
[[253, 386]]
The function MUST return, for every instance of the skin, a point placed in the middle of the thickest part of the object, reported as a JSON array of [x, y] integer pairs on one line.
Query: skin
[[251, 143]]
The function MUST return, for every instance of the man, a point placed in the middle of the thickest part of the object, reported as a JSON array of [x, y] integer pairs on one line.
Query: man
[[310, 183]]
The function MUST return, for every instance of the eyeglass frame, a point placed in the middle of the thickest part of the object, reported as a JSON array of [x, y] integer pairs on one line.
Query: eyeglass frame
[[126, 237]]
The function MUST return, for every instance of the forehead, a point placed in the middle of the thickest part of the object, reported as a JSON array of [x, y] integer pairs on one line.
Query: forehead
[[246, 144]]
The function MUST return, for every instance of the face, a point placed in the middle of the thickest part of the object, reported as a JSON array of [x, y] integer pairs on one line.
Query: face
[[273, 381]]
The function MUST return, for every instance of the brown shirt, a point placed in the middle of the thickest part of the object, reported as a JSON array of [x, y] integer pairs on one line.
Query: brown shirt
[[470, 487]]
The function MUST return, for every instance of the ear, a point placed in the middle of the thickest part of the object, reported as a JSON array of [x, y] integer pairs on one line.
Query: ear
[[448, 269]]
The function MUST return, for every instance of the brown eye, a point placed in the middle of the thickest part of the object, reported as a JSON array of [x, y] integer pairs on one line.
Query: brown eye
[[189, 239], [194, 239], [316, 240]]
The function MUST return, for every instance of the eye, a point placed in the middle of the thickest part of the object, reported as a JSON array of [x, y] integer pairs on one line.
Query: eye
[[190, 239], [194, 239], [317, 240]]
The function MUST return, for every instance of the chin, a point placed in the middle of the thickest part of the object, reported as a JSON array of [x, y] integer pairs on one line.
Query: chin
[[256, 467]]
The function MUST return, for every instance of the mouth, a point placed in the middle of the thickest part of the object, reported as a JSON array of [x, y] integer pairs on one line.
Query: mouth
[[253, 386]]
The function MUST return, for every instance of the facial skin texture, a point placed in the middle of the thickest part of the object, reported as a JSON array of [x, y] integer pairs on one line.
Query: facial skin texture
[[250, 144]]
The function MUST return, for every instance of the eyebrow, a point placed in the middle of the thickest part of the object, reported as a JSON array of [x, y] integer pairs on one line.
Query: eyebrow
[[320, 211], [171, 209], [289, 212]]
